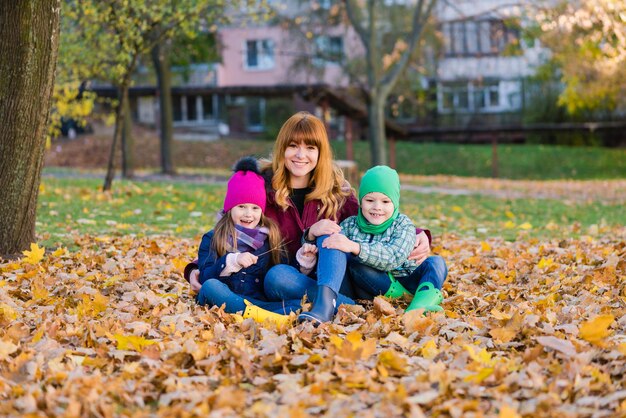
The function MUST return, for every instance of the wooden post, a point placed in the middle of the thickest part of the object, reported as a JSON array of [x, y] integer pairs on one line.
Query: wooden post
[[494, 156], [349, 148], [392, 152], [324, 105]]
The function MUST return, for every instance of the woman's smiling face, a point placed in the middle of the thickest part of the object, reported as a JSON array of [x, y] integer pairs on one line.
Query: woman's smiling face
[[300, 161]]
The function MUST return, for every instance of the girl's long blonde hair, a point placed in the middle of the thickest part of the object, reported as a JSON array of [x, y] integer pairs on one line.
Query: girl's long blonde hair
[[327, 182], [225, 237]]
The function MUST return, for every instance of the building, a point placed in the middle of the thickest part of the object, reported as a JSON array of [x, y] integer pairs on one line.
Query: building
[[268, 71]]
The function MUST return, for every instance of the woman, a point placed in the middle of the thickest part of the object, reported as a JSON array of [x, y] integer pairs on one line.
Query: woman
[[308, 199]]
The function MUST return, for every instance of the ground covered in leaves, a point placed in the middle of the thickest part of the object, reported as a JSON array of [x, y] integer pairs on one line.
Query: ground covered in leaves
[[531, 328]]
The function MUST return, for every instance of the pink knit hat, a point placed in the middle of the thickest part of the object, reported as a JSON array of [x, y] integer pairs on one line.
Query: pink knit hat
[[245, 186]]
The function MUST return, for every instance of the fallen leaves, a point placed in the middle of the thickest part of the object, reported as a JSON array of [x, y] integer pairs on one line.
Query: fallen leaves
[[531, 328], [35, 255]]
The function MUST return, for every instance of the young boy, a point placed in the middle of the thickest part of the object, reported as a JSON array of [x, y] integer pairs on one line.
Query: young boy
[[379, 240]]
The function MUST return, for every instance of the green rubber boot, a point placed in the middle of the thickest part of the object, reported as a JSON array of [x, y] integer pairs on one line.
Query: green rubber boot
[[396, 290], [427, 299]]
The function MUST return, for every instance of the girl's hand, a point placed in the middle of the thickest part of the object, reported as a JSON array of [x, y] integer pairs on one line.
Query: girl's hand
[[323, 227], [421, 250], [246, 259], [194, 280], [309, 250], [342, 243]]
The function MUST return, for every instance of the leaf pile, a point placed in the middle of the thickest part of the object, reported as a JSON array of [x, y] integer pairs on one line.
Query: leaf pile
[[530, 329]]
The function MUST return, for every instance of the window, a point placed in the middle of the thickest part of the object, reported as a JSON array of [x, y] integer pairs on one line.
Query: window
[[482, 37], [255, 114], [470, 97], [328, 49], [259, 54]]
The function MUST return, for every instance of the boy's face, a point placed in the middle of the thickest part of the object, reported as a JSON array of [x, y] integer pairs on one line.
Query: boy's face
[[247, 215], [376, 208]]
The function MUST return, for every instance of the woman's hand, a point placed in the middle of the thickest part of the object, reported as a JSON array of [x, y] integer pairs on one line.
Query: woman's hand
[[246, 259], [421, 250], [194, 280], [342, 243], [322, 227]]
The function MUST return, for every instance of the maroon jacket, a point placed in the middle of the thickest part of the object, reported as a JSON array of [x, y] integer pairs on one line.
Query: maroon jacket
[[292, 225]]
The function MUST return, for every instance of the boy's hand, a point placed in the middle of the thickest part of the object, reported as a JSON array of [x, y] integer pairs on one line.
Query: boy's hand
[[309, 250], [194, 280], [342, 243], [246, 259]]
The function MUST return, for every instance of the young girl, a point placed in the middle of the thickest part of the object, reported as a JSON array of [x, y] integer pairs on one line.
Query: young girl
[[234, 257], [379, 240]]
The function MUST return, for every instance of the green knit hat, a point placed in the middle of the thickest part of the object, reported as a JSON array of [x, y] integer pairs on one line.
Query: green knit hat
[[385, 180]]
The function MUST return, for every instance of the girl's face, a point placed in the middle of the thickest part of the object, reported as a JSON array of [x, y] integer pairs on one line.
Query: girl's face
[[300, 161], [376, 208], [247, 215]]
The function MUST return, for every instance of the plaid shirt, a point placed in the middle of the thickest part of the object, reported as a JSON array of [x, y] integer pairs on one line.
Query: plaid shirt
[[388, 251]]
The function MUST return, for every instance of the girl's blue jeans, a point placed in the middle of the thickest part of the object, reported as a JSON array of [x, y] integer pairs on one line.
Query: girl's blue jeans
[[214, 292], [285, 282], [369, 282]]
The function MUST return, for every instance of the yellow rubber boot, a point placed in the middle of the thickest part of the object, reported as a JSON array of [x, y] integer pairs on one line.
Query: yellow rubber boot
[[261, 315]]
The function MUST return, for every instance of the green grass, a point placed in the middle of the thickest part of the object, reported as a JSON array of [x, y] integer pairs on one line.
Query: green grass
[[77, 206], [533, 162]]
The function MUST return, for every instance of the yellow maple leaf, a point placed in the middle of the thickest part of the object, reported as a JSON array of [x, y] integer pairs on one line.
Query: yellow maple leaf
[[545, 262], [482, 356], [430, 349], [509, 225], [60, 251], [485, 246], [392, 360], [525, 225], [482, 374], [509, 214], [7, 312], [35, 255], [508, 412], [503, 335], [179, 264], [132, 342], [596, 329], [6, 349], [622, 348]]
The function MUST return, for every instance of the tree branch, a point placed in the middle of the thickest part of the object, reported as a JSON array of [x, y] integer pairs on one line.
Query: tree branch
[[419, 21]]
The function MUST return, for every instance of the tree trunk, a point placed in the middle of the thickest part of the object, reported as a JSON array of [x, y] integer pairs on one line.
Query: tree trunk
[[128, 160], [160, 60], [29, 36], [119, 114], [376, 130]]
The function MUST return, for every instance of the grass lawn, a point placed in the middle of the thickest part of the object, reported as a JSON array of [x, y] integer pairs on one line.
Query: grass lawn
[[533, 162], [77, 206]]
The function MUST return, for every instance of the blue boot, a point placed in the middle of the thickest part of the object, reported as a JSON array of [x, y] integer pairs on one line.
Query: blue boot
[[323, 308]]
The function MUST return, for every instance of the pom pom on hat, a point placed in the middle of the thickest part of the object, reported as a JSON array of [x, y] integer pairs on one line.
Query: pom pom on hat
[[246, 185]]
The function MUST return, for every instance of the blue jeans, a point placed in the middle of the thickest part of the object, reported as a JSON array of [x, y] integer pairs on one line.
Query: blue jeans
[[369, 282], [284, 282], [214, 292]]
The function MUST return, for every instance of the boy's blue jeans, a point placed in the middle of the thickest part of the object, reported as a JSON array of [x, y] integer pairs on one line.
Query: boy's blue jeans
[[285, 282], [369, 282], [214, 292]]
